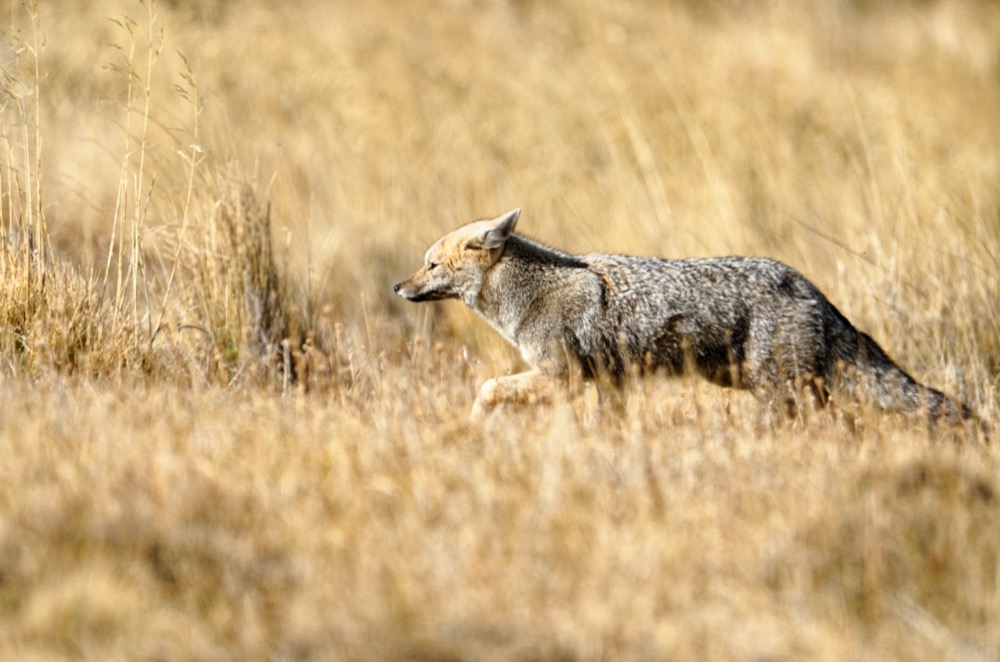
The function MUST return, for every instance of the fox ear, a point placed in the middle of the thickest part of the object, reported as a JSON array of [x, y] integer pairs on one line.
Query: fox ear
[[503, 225]]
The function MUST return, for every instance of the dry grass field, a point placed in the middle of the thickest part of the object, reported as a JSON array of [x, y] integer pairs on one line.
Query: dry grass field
[[223, 436]]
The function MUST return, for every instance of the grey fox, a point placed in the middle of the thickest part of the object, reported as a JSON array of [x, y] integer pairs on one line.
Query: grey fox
[[749, 323]]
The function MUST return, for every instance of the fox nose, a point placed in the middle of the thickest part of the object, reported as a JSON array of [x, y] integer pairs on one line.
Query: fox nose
[[396, 288]]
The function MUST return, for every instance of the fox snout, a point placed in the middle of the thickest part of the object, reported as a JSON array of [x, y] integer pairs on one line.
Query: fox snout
[[419, 287], [403, 290], [408, 291]]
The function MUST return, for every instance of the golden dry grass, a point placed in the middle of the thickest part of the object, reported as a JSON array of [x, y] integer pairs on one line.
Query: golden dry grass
[[224, 436]]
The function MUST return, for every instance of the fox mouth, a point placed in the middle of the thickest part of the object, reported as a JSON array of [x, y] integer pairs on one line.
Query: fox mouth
[[427, 295]]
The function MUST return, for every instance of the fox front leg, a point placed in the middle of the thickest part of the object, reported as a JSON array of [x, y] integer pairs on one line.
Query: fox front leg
[[522, 388]]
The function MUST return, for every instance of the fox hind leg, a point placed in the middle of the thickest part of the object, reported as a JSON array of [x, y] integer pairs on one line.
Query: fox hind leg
[[795, 396]]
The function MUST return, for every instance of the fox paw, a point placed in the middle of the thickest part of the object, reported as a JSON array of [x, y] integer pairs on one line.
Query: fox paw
[[486, 400]]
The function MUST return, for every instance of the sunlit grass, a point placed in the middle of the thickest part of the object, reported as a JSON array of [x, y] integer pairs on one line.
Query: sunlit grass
[[225, 437]]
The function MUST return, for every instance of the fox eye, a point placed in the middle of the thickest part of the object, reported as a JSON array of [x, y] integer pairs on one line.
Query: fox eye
[[431, 265]]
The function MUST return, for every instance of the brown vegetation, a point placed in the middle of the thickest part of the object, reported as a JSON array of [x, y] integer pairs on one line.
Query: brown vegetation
[[224, 437]]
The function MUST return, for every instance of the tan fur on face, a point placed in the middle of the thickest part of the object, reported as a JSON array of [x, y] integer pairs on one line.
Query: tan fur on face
[[455, 265]]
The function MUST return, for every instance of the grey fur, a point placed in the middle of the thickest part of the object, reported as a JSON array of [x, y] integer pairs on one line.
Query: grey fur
[[750, 323]]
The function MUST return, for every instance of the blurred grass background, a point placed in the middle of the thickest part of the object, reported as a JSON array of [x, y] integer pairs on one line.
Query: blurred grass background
[[199, 195]]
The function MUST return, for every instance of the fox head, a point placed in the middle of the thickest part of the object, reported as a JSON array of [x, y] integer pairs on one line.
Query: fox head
[[454, 267]]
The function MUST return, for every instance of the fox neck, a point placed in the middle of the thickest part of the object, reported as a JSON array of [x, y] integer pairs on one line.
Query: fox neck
[[501, 301], [512, 284]]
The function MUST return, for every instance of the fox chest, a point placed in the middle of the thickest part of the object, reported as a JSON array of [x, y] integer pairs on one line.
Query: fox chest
[[530, 344]]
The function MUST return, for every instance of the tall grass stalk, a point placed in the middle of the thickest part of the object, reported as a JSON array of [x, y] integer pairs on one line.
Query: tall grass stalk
[[192, 156], [134, 194], [25, 222]]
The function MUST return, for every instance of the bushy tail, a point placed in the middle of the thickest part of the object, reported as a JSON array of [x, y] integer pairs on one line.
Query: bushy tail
[[863, 369]]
